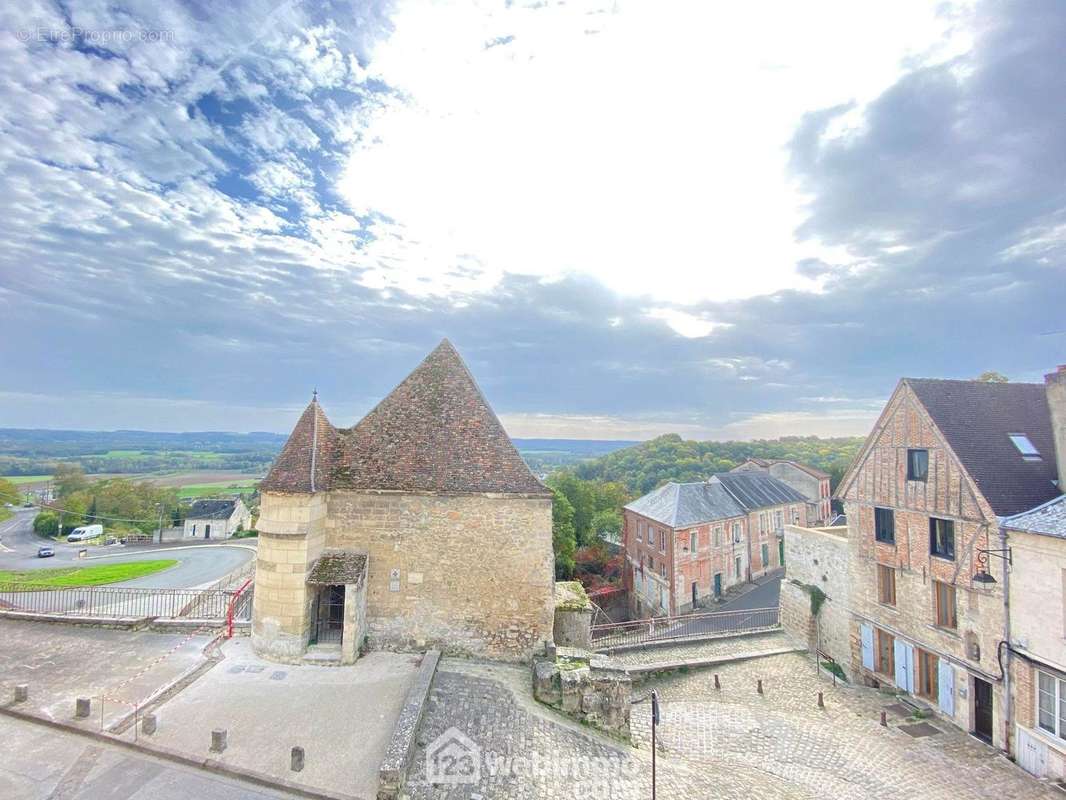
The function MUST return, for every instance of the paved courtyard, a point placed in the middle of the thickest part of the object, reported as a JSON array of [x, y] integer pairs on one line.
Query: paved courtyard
[[343, 717], [731, 743]]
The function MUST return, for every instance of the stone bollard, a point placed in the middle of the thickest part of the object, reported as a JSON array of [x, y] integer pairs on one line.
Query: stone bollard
[[22, 692], [821, 702], [82, 707], [218, 740], [758, 686], [717, 683], [884, 719], [296, 759], [148, 724]]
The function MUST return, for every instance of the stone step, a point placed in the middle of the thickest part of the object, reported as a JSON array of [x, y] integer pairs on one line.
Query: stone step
[[323, 655]]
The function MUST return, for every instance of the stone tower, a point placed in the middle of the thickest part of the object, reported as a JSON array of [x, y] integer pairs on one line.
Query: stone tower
[[419, 526]]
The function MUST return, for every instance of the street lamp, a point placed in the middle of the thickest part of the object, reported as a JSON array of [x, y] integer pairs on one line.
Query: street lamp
[[982, 576]]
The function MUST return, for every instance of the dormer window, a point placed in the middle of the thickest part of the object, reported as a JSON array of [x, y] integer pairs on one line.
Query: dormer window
[[1025, 447]]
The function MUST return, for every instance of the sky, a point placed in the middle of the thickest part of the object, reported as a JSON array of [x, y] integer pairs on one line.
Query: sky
[[737, 221]]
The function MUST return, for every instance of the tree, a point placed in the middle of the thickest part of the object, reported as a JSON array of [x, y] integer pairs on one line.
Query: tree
[[992, 377], [46, 523], [582, 500], [608, 521], [563, 537], [69, 478]]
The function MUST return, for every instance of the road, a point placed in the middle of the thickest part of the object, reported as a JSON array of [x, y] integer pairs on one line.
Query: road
[[198, 565]]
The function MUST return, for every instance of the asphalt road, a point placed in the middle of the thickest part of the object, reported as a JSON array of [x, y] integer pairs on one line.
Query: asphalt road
[[198, 565]]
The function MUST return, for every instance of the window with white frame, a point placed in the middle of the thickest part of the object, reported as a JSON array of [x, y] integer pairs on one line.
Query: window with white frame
[[662, 541], [736, 532], [662, 568], [1051, 704], [779, 520], [693, 541], [717, 535], [640, 531]]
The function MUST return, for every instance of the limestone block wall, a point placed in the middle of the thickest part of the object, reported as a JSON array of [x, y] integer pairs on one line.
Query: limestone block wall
[[291, 537], [354, 633], [468, 574], [818, 557]]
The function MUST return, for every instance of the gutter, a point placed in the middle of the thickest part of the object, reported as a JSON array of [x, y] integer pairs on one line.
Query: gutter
[[1008, 705]]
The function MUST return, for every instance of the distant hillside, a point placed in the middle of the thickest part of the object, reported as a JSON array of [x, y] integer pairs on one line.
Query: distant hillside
[[36, 452], [649, 464]]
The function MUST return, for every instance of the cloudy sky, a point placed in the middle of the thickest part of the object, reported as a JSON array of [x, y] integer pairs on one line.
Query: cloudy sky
[[632, 218]]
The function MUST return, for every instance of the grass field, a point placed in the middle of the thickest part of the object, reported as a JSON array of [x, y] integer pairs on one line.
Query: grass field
[[84, 576], [18, 480], [221, 488]]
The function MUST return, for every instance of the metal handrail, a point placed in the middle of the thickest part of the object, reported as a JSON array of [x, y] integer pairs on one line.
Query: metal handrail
[[685, 626], [104, 601]]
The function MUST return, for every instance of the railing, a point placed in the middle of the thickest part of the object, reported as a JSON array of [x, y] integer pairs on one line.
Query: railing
[[684, 627], [103, 601]]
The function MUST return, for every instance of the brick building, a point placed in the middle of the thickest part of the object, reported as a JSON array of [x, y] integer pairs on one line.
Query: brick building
[[686, 543], [810, 482], [946, 461], [420, 526]]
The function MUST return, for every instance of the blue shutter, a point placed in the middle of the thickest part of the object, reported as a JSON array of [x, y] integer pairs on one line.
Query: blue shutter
[[900, 654], [867, 635], [946, 686]]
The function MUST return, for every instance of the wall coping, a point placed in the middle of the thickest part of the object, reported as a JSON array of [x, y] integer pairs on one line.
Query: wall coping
[[393, 769]]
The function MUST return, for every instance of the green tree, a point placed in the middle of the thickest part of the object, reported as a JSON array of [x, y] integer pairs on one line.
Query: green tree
[[563, 537], [992, 377], [582, 500], [46, 523], [69, 478]]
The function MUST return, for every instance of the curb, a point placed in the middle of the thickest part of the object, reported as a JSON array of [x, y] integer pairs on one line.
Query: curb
[[397, 758], [124, 623], [694, 638], [127, 553], [158, 751], [642, 669]]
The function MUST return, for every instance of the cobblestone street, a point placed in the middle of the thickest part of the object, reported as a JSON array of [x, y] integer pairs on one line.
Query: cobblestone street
[[731, 743]]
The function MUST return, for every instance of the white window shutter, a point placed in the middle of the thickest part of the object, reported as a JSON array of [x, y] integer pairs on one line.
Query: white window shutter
[[946, 686], [867, 635]]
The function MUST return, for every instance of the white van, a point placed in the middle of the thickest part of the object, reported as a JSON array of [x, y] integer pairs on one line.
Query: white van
[[85, 532]]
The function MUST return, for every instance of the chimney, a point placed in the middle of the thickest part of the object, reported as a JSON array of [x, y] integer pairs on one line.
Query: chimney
[[1055, 385]]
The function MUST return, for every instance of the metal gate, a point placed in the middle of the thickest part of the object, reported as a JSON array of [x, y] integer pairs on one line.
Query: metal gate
[[327, 615]]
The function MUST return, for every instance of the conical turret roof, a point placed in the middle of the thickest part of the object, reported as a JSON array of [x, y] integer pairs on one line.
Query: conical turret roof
[[306, 460], [435, 432]]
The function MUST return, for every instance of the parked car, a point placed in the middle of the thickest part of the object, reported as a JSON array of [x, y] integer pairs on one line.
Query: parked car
[[85, 532], [45, 551]]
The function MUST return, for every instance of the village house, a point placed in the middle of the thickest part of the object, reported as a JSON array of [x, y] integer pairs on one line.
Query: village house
[[810, 482], [1036, 541], [216, 519], [687, 543], [421, 526], [945, 463]]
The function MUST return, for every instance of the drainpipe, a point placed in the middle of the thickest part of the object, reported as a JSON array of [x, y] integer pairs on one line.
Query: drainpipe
[[1008, 705]]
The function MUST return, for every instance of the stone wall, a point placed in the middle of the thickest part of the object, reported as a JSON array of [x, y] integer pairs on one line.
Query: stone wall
[[589, 687], [469, 574], [818, 557]]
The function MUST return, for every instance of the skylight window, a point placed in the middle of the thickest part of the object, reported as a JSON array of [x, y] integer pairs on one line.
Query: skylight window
[[1025, 447]]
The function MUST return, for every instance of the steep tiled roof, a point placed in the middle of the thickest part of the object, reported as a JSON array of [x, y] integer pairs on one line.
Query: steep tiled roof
[[729, 494], [976, 417], [1048, 519], [211, 509], [306, 460], [435, 432], [755, 490], [679, 505]]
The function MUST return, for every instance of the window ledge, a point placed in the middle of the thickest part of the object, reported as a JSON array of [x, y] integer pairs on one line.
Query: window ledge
[[952, 632], [888, 607], [950, 560], [1050, 739]]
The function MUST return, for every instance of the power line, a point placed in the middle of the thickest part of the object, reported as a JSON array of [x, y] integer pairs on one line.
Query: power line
[[85, 514]]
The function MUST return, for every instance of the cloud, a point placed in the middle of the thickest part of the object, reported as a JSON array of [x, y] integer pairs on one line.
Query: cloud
[[688, 222]]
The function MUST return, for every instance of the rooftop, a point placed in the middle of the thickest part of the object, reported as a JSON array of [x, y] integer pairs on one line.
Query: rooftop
[[977, 419], [725, 495], [211, 509], [1048, 518], [435, 432]]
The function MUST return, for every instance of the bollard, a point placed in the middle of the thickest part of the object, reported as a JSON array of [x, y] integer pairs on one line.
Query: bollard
[[296, 759], [884, 719], [758, 686], [81, 707], [22, 692], [821, 702], [148, 724], [717, 683], [218, 740]]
